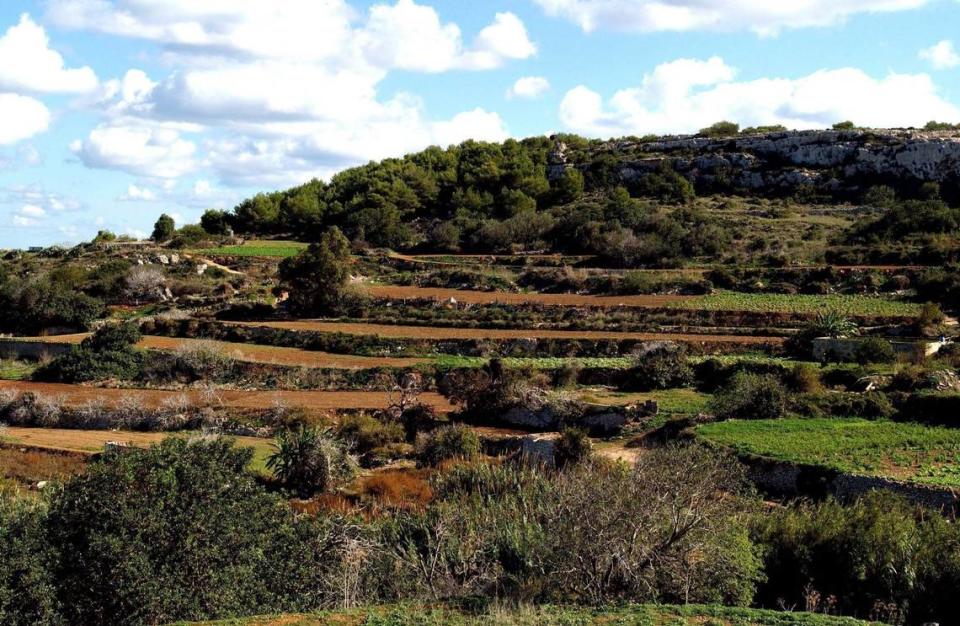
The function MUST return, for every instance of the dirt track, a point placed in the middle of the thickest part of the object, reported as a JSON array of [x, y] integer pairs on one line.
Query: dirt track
[[259, 354], [398, 292], [432, 332], [78, 395]]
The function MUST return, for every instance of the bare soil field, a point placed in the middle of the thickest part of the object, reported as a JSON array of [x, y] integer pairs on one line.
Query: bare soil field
[[259, 354], [398, 292], [78, 395], [432, 332], [92, 440]]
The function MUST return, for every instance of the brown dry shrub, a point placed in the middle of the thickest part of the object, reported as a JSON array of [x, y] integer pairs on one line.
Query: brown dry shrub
[[405, 489]]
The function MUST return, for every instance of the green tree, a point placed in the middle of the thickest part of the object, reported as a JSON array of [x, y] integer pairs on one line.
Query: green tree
[[163, 229], [215, 222], [28, 594], [721, 129], [847, 125], [318, 277]]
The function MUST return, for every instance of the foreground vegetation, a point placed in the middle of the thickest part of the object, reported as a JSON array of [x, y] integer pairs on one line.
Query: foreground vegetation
[[643, 615]]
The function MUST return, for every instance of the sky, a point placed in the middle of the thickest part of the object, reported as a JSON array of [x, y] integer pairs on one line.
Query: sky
[[114, 111]]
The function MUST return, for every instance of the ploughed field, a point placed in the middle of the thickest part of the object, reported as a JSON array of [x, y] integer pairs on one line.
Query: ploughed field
[[253, 353], [435, 332], [78, 395]]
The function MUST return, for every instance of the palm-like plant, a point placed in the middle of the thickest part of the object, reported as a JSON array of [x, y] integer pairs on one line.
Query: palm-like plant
[[308, 460], [833, 324]]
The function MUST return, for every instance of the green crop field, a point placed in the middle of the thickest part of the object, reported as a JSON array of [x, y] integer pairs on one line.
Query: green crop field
[[636, 615], [258, 248], [541, 363], [905, 451], [799, 303]]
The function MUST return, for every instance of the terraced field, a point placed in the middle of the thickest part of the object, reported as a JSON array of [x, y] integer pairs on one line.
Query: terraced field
[[281, 249], [435, 332], [78, 395], [904, 451], [720, 301], [253, 353]]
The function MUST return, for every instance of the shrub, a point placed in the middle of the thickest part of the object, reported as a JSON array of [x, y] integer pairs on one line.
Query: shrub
[[308, 460], [108, 353], [659, 367], [803, 378], [574, 446], [720, 129], [365, 432], [750, 396], [456, 441], [874, 350]]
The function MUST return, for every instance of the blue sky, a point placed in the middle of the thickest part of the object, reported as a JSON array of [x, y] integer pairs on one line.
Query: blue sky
[[113, 111]]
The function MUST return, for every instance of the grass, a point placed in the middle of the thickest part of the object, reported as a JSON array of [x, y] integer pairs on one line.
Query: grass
[[905, 451], [669, 401], [257, 248], [855, 305], [11, 369], [634, 615]]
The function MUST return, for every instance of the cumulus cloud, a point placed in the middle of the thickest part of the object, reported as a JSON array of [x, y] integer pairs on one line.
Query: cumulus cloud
[[137, 147], [411, 36], [688, 94], [764, 17], [27, 63], [135, 193], [283, 90], [529, 87], [942, 55], [21, 117]]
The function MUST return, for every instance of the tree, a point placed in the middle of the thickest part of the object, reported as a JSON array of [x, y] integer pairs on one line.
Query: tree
[[750, 396], [720, 129], [163, 229], [308, 460], [318, 277], [215, 222]]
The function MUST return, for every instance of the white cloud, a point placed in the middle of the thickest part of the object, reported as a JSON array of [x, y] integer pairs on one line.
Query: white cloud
[[32, 210], [21, 117], [290, 86], [942, 55], [529, 87], [28, 64], [135, 193], [411, 36], [137, 147], [686, 95], [764, 17]]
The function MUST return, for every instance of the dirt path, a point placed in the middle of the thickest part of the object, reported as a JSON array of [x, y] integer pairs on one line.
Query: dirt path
[[252, 353], [78, 395], [404, 292], [433, 332]]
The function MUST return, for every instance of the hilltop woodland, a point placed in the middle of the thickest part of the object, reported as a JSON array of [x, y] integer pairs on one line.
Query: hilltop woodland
[[555, 380]]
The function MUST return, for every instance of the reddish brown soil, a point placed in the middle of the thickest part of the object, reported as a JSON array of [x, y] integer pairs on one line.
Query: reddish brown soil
[[77, 395], [397, 292], [432, 332], [260, 354]]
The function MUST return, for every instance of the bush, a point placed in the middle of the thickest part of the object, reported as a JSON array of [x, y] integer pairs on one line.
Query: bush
[[803, 378], [366, 433], [659, 367], [456, 441], [874, 350], [28, 594], [574, 446], [750, 396], [108, 353]]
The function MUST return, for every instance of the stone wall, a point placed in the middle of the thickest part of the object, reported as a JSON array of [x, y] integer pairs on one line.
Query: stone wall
[[31, 350], [845, 348], [796, 479]]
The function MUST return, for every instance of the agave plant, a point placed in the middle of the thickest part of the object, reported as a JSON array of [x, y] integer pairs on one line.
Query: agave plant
[[308, 460], [833, 324]]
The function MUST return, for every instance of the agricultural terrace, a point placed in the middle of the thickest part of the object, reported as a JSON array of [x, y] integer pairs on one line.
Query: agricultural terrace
[[265, 248], [904, 451]]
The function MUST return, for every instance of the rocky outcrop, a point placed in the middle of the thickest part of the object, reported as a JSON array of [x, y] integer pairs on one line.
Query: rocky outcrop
[[824, 159]]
